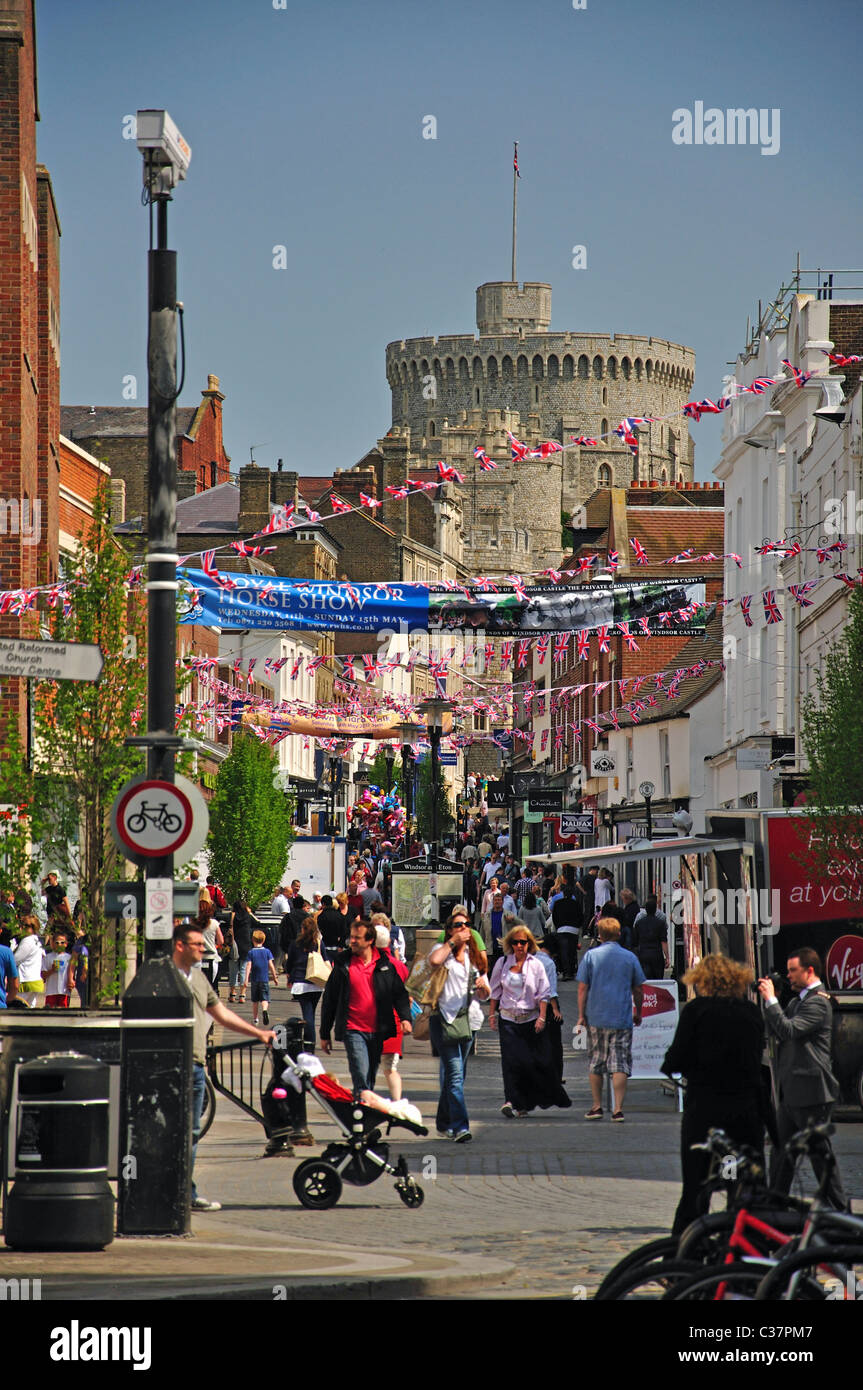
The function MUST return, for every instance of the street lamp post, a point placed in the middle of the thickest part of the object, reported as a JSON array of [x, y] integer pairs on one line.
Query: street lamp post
[[407, 733], [390, 756], [647, 789], [434, 711]]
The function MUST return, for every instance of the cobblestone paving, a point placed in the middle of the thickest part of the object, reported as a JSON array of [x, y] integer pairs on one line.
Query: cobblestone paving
[[559, 1198]]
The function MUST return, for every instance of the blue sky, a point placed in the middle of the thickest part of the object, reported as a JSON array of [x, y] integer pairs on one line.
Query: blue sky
[[306, 130]]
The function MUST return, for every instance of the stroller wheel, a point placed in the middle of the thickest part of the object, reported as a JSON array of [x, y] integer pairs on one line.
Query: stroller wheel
[[317, 1184], [410, 1192]]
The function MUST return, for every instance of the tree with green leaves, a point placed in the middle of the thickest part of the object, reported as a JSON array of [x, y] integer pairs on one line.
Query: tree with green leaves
[[20, 822], [832, 736], [424, 802], [251, 822], [80, 759]]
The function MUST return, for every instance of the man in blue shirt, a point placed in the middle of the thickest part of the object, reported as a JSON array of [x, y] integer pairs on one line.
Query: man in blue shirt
[[8, 976], [610, 982]]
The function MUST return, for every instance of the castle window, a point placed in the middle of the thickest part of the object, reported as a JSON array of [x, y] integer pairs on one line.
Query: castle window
[[605, 395], [476, 395], [568, 368], [648, 369], [597, 368], [603, 427], [536, 395], [638, 369], [491, 369], [612, 368], [506, 367], [626, 368], [583, 368], [431, 429], [604, 476], [553, 368], [537, 368]]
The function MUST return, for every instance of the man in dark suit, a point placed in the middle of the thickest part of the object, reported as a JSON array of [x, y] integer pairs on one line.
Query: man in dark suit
[[806, 1086]]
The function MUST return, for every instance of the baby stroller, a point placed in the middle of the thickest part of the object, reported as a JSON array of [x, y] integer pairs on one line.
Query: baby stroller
[[362, 1156]]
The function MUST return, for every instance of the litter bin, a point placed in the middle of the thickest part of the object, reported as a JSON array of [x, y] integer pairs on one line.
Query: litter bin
[[57, 1155]]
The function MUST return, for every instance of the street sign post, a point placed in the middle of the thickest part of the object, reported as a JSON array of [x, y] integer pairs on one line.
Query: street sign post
[[159, 903], [50, 661], [151, 819]]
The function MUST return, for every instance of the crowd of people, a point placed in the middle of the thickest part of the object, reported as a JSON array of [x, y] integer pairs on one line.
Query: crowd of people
[[43, 963]]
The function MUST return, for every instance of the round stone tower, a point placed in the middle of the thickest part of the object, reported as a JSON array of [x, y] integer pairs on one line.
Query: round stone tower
[[454, 392]]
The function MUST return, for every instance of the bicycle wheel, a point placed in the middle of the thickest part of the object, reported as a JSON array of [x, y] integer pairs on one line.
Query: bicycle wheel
[[654, 1250], [740, 1282], [170, 822], [813, 1285], [651, 1281], [137, 823], [208, 1113]]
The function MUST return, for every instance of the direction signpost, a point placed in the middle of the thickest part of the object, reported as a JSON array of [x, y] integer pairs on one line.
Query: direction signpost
[[50, 661]]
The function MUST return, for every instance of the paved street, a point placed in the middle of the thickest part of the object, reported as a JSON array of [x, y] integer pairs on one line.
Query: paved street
[[530, 1208]]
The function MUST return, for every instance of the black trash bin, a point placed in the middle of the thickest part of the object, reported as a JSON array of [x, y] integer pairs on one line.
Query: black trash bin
[[57, 1146]]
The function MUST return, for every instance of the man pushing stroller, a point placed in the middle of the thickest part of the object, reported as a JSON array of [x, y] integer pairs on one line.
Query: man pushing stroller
[[361, 998]]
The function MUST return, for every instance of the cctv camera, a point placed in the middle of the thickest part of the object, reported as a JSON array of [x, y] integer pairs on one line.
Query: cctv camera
[[682, 820], [159, 139]]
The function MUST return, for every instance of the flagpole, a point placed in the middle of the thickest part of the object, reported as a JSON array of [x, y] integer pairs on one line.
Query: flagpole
[[514, 204]]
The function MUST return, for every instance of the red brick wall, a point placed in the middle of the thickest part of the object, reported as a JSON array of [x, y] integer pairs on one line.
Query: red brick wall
[[29, 400], [207, 448]]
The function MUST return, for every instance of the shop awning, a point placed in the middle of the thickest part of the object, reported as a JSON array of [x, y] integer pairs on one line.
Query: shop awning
[[656, 849]]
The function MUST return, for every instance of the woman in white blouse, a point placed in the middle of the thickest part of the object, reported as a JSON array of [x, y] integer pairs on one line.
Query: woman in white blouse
[[519, 1000]]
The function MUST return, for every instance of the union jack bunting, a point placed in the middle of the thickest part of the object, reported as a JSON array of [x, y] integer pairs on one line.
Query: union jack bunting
[[295, 669], [561, 645], [554, 575], [483, 459], [592, 725], [631, 644], [505, 654], [559, 736], [313, 664], [521, 653], [684, 555], [586, 562], [613, 559], [659, 680], [312, 515], [550, 446], [543, 741], [626, 431], [518, 585], [824, 553], [252, 663], [758, 386], [598, 688], [448, 474], [638, 548], [338, 505], [745, 605], [583, 640], [771, 611], [515, 160], [542, 644], [767, 548], [369, 501], [602, 638], [644, 624], [207, 563], [519, 451], [280, 521], [838, 360], [638, 682], [738, 559], [584, 440], [665, 620], [398, 492], [799, 377], [371, 666], [613, 718], [621, 688], [848, 580], [254, 550]]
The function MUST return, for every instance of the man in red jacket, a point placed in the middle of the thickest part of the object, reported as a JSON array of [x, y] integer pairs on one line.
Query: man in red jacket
[[360, 997]]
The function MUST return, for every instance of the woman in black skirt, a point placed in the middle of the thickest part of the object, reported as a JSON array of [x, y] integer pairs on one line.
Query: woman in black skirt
[[519, 1000]]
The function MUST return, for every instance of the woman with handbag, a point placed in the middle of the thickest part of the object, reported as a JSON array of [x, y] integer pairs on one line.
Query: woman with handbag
[[520, 992], [450, 1025], [305, 991]]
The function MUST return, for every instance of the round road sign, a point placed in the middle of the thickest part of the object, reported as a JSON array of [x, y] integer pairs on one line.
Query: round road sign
[[153, 818]]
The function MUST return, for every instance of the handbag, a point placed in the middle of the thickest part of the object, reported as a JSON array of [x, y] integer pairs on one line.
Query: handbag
[[457, 1031], [318, 970], [421, 1025], [425, 981]]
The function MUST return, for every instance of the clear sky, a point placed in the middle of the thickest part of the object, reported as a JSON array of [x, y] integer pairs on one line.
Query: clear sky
[[306, 126]]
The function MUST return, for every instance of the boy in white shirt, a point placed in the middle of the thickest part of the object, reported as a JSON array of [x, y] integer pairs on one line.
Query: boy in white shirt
[[56, 972]]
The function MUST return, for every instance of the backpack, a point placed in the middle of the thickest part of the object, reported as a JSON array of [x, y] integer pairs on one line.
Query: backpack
[[219, 899]]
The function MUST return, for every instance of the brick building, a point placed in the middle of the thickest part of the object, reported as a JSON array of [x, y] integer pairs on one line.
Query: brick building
[[30, 340], [117, 435]]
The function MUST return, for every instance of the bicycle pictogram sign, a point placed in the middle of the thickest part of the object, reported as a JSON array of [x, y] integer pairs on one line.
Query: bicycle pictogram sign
[[154, 818]]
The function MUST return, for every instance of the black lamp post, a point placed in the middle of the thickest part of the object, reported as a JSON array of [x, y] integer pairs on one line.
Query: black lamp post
[[390, 755], [334, 767], [407, 732], [647, 789], [434, 711]]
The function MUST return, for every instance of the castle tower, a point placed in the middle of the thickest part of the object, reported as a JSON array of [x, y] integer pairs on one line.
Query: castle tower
[[454, 392]]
